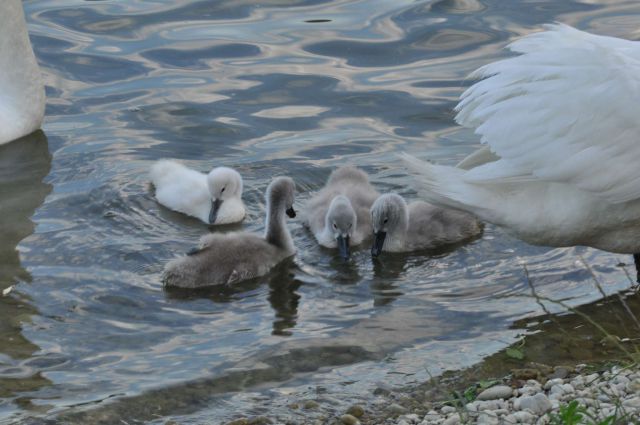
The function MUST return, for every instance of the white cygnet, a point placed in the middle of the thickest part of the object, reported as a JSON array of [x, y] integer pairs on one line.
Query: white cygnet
[[399, 227], [338, 215], [228, 258], [215, 198]]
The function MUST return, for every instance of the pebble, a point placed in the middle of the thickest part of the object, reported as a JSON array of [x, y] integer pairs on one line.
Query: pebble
[[356, 410], [499, 391], [538, 404], [347, 419], [447, 409], [310, 404], [396, 409], [452, 420]]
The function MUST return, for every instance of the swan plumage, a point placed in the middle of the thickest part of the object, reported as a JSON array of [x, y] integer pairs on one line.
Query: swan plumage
[[22, 95], [338, 215], [398, 227], [215, 198], [228, 258], [560, 122]]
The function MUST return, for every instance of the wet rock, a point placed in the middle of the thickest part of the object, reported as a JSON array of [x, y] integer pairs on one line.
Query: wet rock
[[241, 421], [396, 409], [310, 404], [538, 404], [560, 372], [349, 420], [356, 410], [524, 374], [259, 420], [493, 393]]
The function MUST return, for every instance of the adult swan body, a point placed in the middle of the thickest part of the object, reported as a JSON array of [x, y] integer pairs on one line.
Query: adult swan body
[[22, 97], [563, 134]]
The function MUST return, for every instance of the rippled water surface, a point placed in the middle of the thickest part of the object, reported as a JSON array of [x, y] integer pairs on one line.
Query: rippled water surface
[[269, 87]]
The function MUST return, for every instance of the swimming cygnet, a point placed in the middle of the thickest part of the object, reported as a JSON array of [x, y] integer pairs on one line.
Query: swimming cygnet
[[228, 258], [338, 215], [399, 227], [215, 198]]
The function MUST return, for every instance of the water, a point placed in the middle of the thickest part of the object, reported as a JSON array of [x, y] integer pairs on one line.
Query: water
[[279, 87]]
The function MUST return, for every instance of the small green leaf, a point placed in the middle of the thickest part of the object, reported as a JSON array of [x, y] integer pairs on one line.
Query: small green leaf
[[514, 353]]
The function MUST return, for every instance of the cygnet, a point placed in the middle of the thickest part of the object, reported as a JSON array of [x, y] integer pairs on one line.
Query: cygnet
[[338, 215], [215, 198], [399, 227], [228, 258]]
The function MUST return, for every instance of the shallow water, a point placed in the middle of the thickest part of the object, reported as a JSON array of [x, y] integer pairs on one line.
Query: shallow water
[[278, 87]]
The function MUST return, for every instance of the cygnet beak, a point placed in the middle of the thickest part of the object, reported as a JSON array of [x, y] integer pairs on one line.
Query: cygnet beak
[[378, 243], [343, 246], [215, 207], [291, 212]]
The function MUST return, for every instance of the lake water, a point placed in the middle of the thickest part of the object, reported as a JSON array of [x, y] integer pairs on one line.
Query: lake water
[[269, 87]]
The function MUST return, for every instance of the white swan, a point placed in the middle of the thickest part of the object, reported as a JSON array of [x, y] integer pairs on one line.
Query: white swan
[[338, 215], [215, 198], [228, 258], [562, 121], [398, 227], [22, 96]]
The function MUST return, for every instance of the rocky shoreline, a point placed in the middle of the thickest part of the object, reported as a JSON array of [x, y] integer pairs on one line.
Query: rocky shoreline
[[613, 394]]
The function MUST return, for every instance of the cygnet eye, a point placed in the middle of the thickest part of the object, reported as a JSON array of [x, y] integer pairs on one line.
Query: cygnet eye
[[385, 220], [335, 226], [223, 189]]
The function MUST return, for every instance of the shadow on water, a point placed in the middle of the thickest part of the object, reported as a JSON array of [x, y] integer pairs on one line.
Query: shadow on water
[[24, 164]]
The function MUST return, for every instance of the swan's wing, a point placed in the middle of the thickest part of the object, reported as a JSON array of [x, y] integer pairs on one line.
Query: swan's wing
[[565, 110]]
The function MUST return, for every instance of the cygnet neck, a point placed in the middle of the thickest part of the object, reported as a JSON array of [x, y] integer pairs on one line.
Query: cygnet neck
[[277, 232]]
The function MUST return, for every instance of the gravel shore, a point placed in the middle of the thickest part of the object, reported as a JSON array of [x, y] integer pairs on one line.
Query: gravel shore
[[612, 394]]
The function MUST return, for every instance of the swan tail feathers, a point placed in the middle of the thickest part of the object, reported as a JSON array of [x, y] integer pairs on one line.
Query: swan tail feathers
[[445, 186]]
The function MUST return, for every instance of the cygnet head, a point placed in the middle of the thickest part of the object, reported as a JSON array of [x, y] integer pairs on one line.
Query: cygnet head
[[341, 221], [224, 183], [389, 214], [281, 191]]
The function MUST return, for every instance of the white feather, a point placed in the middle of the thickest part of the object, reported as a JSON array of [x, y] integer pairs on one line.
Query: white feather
[[22, 97], [561, 119]]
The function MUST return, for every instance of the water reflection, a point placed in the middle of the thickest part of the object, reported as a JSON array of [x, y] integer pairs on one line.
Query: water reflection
[[24, 163]]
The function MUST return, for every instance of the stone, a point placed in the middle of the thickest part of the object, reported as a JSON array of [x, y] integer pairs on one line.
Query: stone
[[347, 419], [452, 420], [356, 410], [310, 404], [493, 393], [524, 417], [259, 420], [552, 382], [559, 372], [487, 417], [633, 402], [538, 404], [510, 419], [447, 409], [396, 409], [241, 421]]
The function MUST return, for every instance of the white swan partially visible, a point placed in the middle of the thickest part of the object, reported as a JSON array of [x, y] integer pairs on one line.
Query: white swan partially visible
[[338, 215], [22, 96], [228, 258], [562, 120], [398, 227], [215, 198]]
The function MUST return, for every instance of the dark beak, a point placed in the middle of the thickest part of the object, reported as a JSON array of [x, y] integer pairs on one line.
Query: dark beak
[[291, 212], [343, 246], [215, 207], [378, 243]]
